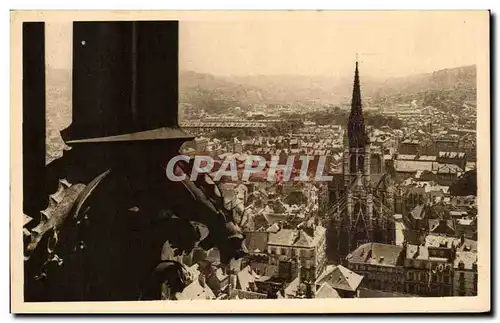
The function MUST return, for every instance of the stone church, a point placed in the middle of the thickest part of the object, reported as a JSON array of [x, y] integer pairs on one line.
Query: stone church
[[362, 196]]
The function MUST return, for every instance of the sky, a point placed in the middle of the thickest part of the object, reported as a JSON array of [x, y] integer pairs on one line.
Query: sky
[[388, 44]]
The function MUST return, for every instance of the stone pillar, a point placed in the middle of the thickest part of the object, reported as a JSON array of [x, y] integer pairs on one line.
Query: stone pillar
[[367, 164], [369, 216]]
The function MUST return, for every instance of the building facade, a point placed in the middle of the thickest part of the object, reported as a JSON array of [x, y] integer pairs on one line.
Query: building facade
[[380, 264]]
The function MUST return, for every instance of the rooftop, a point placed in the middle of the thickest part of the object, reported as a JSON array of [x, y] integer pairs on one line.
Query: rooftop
[[326, 291], [468, 258], [196, 291], [376, 254], [341, 278]]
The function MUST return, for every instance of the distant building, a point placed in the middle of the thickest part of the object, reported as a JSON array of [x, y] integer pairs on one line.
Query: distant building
[[465, 278], [409, 147], [307, 245], [457, 158], [380, 264], [429, 270], [343, 280], [446, 144]]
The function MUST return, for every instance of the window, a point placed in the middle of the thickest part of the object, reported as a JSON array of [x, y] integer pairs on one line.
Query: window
[[273, 250], [283, 251], [294, 252]]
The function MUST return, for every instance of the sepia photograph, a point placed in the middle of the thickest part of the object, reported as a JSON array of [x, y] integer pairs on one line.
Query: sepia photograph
[[286, 162]]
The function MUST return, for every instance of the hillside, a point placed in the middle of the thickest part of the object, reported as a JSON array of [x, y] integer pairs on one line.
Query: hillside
[[439, 88], [445, 89]]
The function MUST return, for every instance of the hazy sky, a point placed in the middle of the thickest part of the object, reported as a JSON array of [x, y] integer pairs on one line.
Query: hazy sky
[[323, 43]]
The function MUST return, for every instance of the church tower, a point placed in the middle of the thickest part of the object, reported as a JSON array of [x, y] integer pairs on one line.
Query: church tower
[[356, 144], [358, 220], [363, 211]]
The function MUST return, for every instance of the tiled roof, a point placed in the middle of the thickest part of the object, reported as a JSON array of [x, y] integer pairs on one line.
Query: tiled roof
[[326, 291], [449, 169], [340, 277], [376, 254], [284, 237], [304, 240]]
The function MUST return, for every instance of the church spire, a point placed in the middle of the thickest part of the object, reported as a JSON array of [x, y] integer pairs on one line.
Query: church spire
[[356, 107], [356, 125]]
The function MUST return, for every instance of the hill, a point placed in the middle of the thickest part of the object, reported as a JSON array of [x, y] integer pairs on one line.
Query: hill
[[440, 88]]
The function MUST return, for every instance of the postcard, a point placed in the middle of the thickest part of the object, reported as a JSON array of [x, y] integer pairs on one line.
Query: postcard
[[250, 162]]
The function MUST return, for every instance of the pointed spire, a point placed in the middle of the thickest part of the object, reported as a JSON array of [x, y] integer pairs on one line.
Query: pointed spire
[[356, 104], [356, 125]]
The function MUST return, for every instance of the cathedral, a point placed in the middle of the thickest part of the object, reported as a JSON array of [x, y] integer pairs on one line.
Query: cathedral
[[362, 196]]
